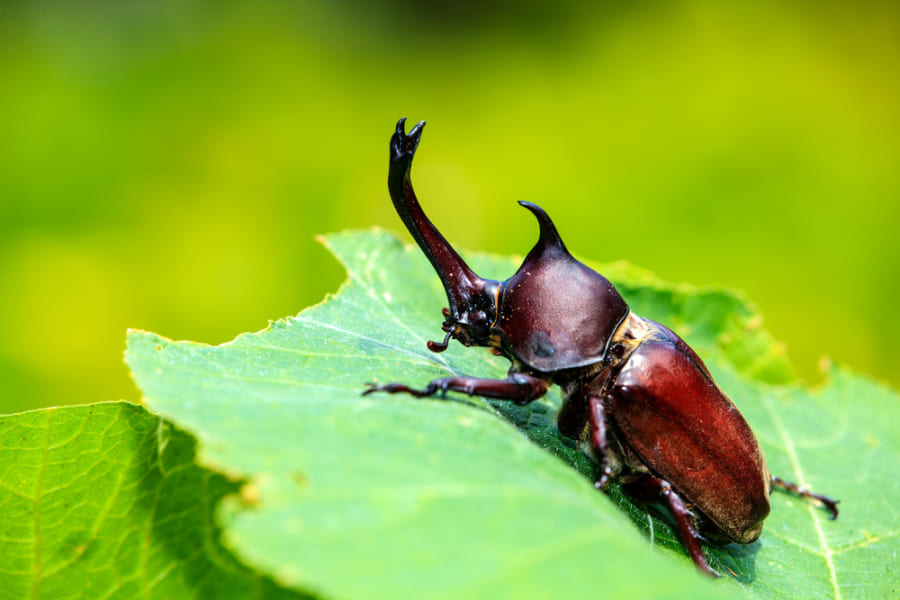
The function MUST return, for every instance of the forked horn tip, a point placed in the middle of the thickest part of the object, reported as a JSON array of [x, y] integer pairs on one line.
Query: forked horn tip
[[403, 143]]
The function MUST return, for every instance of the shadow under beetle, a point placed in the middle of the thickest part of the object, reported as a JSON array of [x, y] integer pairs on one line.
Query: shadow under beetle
[[646, 404]]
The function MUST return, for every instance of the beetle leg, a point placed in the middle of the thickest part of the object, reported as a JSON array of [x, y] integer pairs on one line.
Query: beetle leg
[[597, 421], [519, 388], [788, 486], [656, 489]]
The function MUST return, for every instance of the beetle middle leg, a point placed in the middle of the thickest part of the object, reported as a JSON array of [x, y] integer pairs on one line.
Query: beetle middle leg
[[654, 489], [597, 432], [518, 387]]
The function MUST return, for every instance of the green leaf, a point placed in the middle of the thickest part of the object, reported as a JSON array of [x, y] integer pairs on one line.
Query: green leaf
[[277, 457], [106, 501], [392, 496], [378, 496]]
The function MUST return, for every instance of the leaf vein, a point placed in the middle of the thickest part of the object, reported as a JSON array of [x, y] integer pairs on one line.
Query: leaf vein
[[790, 450], [391, 314], [872, 540], [38, 542]]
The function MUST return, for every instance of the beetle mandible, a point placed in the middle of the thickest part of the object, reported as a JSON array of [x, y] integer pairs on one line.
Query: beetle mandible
[[653, 417]]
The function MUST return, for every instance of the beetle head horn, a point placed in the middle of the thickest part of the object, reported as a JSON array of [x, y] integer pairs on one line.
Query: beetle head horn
[[472, 298]]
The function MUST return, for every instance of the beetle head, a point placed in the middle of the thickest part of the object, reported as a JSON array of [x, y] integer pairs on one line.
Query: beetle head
[[472, 299]]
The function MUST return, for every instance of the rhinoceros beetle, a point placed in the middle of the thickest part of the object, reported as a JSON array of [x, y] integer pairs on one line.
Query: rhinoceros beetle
[[632, 390]]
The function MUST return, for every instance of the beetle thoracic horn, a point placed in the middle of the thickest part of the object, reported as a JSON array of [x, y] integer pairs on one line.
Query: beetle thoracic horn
[[460, 282], [549, 239]]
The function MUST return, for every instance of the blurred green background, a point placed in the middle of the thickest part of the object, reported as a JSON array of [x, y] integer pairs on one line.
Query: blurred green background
[[166, 165]]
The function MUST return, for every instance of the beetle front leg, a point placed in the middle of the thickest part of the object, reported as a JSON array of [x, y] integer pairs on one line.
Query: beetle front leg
[[519, 388], [653, 489]]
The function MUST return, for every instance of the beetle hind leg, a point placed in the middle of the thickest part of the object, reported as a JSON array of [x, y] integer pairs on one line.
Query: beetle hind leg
[[645, 489], [654, 489], [829, 503]]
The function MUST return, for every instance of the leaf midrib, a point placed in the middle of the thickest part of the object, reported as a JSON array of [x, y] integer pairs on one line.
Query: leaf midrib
[[38, 491], [826, 552]]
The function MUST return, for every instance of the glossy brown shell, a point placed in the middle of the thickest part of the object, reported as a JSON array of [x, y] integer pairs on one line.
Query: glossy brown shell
[[557, 313], [684, 428]]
